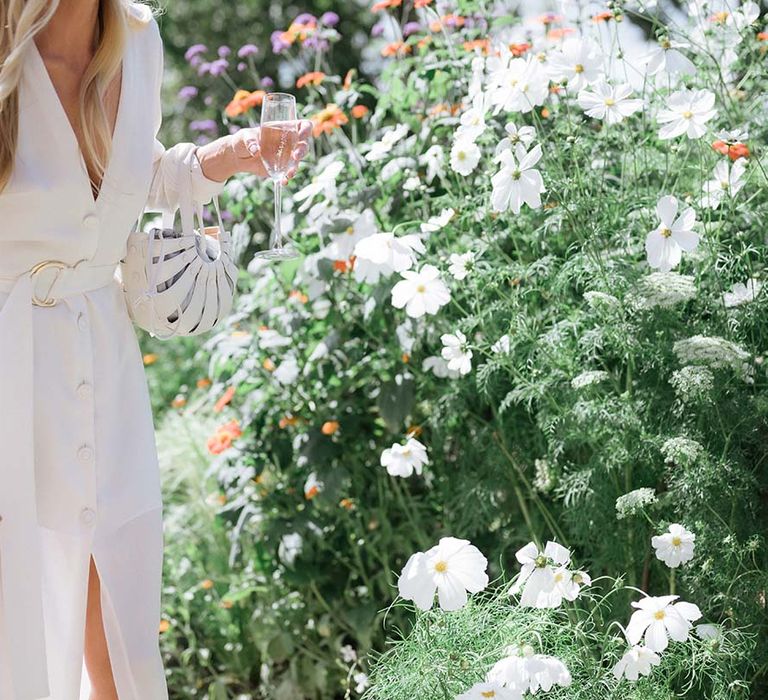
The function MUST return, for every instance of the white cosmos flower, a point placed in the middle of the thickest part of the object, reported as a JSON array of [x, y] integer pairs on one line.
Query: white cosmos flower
[[420, 292], [269, 338], [709, 632], [687, 113], [537, 573], [343, 244], [664, 245], [312, 486], [381, 254], [665, 57], [403, 460], [726, 181], [492, 691], [472, 122], [567, 586], [578, 61], [502, 345], [435, 223], [742, 293], [674, 547], [525, 135], [289, 547], [461, 265], [517, 182], [657, 619], [439, 367], [465, 155], [451, 568], [611, 103], [380, 149], [434, 159], [636, 662], [324, 183], [456, 353], [287, 372], [518, 86], [527, 672]]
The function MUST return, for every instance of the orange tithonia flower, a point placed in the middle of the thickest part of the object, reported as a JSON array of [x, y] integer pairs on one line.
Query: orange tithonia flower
[[179, 401], [164, 626], [396, 48], [733, 150], [269, 365], [244, 101], [447, 21], [549, 18], [348, 78], [602, 16], [207, 584], [347, 503], [286, 421], [483, 45], [422, 3], [224, 436], [328, 119], [315, 77], [520, 48], [226, 604], [225, 398], [150, 358], [359, 111], [341, 266], [762, 36], [559, 33], [330, 427], [414, 431], [203, 383], [298, 296], [384, 4]]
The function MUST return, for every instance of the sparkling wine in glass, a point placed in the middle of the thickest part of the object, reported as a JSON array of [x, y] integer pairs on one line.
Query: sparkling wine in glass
[[278, 138]]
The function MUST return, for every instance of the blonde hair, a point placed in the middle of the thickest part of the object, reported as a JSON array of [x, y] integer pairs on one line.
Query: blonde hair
[[20, 22]]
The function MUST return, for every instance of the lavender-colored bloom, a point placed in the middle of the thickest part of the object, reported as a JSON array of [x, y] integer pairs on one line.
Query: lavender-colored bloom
[[451, 21], [329, 19], [305, 18], [208, 100], [267, 82], [224, 51], [411, 28], [195, 50], [278, 43], [203, 68], [188, 92], [377, 30], [247, 50], [233, 128], [219, 66], [203, 125], [226, 215], [315, 42], [242, 66]]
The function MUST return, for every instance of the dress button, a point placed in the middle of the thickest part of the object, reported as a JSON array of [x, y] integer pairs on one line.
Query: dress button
[[87, 515], [84, 390], [82, 321], [85, 453], [91, 220]]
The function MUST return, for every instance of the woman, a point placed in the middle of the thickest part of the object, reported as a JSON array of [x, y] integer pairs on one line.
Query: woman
[[80, 502]]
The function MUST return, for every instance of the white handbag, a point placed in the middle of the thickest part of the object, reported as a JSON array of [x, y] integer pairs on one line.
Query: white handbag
[[179, 283]]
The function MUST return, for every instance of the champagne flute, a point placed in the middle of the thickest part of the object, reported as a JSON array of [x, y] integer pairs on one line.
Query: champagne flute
[[278, 138]]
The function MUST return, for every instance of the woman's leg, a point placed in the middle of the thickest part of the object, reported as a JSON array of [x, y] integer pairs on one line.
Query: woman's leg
[[96, 653]]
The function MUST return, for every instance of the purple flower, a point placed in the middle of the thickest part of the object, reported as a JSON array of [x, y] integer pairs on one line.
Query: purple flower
[[204, 125], [233, 128], [377, 29], [278, 43], [224, 51], [411, 28], [315, 42], [188, 92], [247, 50], [204, 68], [226, 215], [267, 82], [208, 100], [219, 66], [195, 50], [329, 19], [242, 66], [305, 18]]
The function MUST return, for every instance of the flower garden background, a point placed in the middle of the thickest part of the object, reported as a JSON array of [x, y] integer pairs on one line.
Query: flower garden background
[[501, 431]]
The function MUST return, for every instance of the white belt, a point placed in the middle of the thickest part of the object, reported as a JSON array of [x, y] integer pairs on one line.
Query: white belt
[[21, 607]]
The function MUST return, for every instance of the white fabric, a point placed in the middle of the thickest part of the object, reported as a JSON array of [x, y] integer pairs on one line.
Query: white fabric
[[78, 461]]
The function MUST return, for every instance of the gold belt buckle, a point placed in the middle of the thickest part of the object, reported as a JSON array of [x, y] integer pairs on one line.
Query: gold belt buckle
[[59, 265]]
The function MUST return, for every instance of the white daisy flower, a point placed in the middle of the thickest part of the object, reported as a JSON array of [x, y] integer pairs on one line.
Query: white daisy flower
[[381, 254], [687, 112], [636, 662], [461, 265], [380, 149], [420, 292], [494, 691], [674, 547], [502, 345], [288, 371], [527, 672], [727, 180], [465, 155], [342, 245], [742, 293], [611, 103], [519, 85], [578, 61], [472, 122], [456, 353], [664, 245], [433, 159], [537, 573], [666, 57], [525, 135], [435, 223], [404, 460], [322, 184], [657, 619], [289, 547], [452, 568], [439, 367], [517, 182]]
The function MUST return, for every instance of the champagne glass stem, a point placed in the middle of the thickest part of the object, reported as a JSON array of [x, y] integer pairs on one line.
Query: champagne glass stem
[[277, 234]]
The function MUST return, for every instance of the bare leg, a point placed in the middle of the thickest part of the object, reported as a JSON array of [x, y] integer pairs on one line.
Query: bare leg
[[96, 653]]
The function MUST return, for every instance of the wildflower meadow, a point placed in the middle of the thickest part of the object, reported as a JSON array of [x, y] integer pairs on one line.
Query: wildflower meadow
[[500, 431]]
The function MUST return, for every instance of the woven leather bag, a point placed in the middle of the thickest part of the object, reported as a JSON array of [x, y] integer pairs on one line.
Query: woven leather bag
[[179, 282]]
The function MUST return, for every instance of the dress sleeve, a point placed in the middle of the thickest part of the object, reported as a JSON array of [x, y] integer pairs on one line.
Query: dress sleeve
[[165, 186]]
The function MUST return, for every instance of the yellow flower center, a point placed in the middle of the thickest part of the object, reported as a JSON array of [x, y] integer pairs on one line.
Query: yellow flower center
[[441, 567], [687, 114], [541, 562], [578, 68], [421, 289], [350, 230], [516, 174], [660, 615], [676, 541], [609, 102], [461, 155], [724, 184], [665, 232], [558, 578], [487, 693]]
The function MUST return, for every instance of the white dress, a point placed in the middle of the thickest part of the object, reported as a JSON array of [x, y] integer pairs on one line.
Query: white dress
[[78, 461]]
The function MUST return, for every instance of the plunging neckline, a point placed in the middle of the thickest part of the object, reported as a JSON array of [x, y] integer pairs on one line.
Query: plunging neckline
[[59, 107]]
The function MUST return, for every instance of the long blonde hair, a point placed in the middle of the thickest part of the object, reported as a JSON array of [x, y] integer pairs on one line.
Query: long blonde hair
[[20, 21]]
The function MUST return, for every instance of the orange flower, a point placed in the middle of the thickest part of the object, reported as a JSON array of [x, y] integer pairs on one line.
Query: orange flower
[[285, 421], [226, 604], [225, 398], [222, 439], [348, 78], [330, 427], [396, 48], [315, 77], [243, 101], [268, 365], [447, 21], [207, 584], [384, 4], [150, 358], [762, 36], [405, 357], [733, 150], [520, 49], [359, 111], [719, 17], [421, 43], [559, 33], [602, 16], [328, 119], [347, 503], [422, 3], [340, 266], [298, 296], [549, 18], [164, 626], [483, 45], [203, 383], [545, 113], [179, 401], [414, 431]]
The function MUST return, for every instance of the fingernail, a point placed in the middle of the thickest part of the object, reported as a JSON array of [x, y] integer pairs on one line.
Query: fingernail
[[253, 147]]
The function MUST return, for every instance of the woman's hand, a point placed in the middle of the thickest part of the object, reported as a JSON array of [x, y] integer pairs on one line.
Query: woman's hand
[[240, 153]]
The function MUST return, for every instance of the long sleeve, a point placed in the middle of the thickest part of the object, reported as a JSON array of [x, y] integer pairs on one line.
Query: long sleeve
[[164, 190]]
